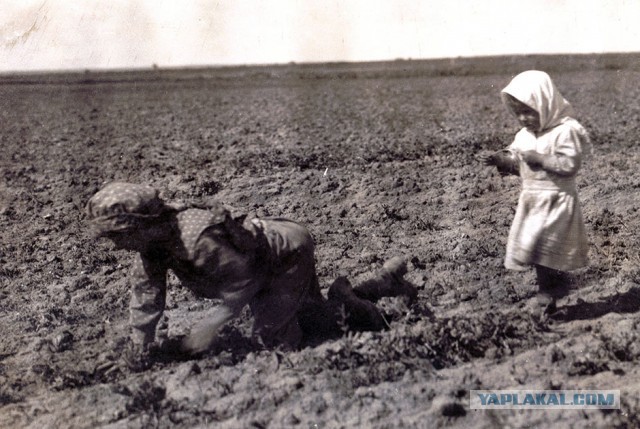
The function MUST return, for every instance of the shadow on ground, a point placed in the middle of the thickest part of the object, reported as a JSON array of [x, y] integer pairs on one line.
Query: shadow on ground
[[627, 302]]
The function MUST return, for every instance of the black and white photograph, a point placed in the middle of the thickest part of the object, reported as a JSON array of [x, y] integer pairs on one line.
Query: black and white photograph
[[319, 214]]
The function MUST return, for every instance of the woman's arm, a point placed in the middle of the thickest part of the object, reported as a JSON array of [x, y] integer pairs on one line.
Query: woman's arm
[[148, 295]]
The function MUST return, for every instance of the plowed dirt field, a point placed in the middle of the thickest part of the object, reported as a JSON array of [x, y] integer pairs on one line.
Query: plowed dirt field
[[377, 160]]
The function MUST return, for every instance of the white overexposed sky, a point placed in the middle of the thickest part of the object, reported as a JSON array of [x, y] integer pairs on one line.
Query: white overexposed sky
[[100, 34]]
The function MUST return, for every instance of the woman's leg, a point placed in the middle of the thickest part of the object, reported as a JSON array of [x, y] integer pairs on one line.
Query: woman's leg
[[292, 285], [359, 314], [388, 282]]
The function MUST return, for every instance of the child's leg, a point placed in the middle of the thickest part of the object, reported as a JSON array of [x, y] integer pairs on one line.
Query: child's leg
[[552, 285], [552, 282]]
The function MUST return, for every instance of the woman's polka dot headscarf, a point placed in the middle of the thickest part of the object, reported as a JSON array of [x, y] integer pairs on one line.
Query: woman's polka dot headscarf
[[119, 206]]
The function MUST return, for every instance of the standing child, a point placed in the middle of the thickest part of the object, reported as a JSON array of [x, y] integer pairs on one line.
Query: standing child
[[548, 230]]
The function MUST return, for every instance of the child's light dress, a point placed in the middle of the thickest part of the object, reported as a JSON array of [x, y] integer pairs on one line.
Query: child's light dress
[[548, 227]]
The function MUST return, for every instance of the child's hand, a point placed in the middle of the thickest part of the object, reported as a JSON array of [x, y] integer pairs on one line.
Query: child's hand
[[533, 158], [504, 160], [487, 158]]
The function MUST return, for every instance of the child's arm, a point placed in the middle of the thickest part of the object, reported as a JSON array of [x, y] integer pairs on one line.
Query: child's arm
[[560, 164], [565, 160]]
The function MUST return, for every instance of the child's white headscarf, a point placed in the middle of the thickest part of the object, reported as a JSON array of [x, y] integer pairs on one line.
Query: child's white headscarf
[[536, 89]]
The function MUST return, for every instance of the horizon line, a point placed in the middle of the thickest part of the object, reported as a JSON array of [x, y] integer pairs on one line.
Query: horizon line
[[155, 67]]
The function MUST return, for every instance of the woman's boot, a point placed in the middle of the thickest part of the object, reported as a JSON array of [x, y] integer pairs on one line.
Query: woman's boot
[[361, 315], [388, 282]]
